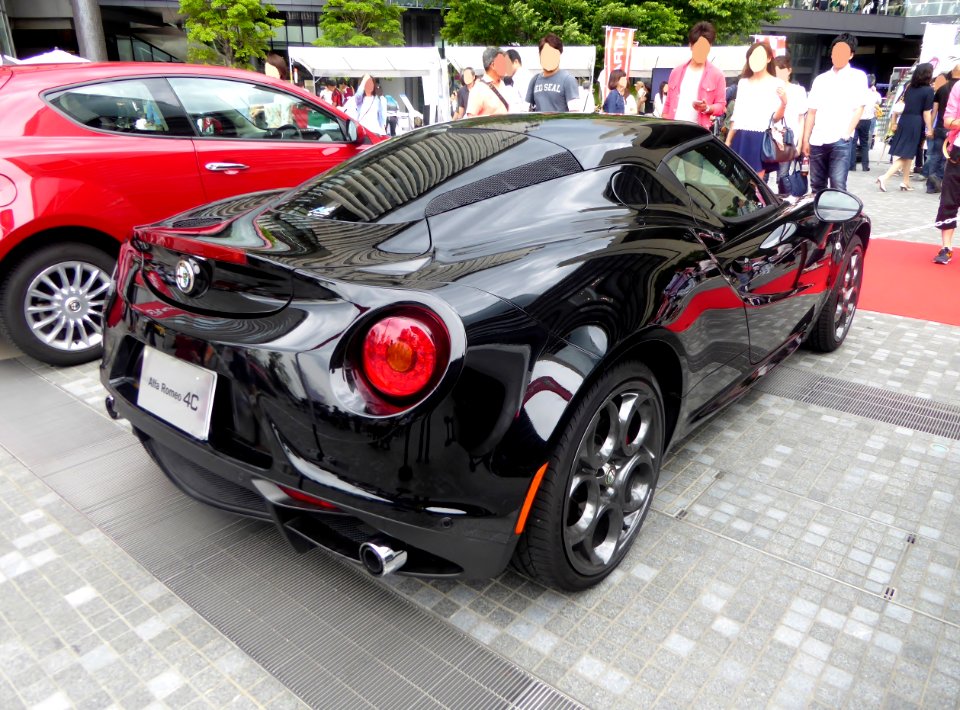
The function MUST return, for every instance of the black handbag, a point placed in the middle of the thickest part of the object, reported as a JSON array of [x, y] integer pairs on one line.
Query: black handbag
[[779, 145]]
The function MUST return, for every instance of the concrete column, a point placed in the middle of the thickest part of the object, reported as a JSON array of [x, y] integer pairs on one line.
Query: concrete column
[[6, 39], [89, 28]]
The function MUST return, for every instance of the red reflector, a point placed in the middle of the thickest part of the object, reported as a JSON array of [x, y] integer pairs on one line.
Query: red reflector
[[401, 355], [307, 498], [197, 247]]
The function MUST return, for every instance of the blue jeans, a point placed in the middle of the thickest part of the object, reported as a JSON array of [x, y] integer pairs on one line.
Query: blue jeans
[[935, 161], [830, 161]]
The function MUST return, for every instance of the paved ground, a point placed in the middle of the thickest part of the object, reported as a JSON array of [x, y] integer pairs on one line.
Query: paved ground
[[797, 556]]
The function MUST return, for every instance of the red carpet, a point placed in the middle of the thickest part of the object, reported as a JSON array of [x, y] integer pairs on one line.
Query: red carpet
[[900, 278]]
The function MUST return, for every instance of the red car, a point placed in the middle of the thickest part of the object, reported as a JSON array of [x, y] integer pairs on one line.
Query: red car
[[89, 151]]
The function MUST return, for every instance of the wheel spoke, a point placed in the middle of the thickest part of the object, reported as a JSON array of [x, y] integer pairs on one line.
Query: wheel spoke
[[41, 324], [601, 437], [609, 525], [102, 288], [52, 335], [47, 281], [583, 500]]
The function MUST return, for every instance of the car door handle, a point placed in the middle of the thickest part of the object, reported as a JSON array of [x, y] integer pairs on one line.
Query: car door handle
[[224, 167]]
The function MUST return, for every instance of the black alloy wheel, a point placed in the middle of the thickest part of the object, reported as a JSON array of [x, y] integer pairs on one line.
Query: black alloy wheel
[[831, 328], [599, 485]]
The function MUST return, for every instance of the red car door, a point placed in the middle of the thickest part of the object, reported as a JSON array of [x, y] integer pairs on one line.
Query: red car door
[[132, 163], [256, 137]]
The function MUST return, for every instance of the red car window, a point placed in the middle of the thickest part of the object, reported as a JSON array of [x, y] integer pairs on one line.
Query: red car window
[[240, 110], [144, 106]]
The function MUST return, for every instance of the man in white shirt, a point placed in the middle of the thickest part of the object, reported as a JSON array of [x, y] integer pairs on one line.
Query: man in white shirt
[[861, 139], [520, 80], [834, 109]]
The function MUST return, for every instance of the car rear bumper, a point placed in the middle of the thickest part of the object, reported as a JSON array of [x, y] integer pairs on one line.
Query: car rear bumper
[[437, 545]]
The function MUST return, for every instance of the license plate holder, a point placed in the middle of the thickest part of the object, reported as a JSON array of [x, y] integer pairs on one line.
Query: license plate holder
[[178, 392]]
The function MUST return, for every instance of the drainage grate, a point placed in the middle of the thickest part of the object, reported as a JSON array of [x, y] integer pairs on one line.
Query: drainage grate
[[874, 403]]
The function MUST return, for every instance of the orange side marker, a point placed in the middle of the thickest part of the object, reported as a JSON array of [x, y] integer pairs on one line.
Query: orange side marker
[[528, 503]]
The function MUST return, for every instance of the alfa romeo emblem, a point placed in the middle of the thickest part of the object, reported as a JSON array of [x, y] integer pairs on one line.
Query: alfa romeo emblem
[[186, 275]]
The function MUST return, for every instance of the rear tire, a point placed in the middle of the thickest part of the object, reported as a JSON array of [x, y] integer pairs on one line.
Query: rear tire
[[52, 303], [831, 328], [600, 483]]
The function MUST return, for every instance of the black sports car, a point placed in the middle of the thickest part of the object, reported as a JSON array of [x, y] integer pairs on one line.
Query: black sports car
[[473, 343]]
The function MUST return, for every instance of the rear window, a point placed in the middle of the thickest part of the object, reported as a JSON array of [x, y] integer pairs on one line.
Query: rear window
[[125, 106], [427, 172]]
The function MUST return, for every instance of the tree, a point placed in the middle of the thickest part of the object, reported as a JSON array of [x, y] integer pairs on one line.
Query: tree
[[360, 23], [229, 32], [735, 20], [655, 23], [503, 22]]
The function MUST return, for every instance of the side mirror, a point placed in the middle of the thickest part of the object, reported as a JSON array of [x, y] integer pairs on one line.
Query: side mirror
[[836, 206], [353, 134]]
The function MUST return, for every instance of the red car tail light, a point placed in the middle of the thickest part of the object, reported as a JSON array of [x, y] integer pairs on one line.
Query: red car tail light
[[403, 354]]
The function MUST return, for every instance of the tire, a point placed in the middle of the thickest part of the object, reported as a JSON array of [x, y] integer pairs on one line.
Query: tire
[[52, 303], [589, 490], [833, 324]]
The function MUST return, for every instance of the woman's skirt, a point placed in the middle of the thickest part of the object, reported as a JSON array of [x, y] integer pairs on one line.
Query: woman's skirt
[[749, 146]]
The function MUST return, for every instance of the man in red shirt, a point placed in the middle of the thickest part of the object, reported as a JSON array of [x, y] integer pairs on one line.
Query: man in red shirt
[[697, 90]]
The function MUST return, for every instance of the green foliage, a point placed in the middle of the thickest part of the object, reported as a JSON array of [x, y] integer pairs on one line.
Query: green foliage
[[656, 24], [360, 23], [229, 32], [503, 22], [735, 20]]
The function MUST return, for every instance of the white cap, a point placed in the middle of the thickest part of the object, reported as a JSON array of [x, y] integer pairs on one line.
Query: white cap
[[951, 61]]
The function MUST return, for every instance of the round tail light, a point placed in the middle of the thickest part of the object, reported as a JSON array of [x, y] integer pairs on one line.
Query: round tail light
[[403, 354]]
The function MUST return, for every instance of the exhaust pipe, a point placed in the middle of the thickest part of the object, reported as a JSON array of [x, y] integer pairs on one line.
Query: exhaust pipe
[[111, 406], [380, 560]]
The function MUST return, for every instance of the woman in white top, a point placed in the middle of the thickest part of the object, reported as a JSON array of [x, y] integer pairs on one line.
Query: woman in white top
[[367, 108], [660, 99], [796, 109], [760, 97]]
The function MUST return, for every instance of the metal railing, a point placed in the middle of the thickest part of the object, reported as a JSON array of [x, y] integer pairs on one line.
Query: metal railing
[[861, 7]]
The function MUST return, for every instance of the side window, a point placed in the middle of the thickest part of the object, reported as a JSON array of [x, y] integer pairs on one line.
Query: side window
[[718, 182], [220, 108], [129, 106]]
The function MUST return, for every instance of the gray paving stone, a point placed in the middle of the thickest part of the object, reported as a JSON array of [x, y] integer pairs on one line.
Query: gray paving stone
[[767, 592]]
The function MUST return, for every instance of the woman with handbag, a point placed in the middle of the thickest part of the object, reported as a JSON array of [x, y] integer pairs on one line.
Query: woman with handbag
[[915, 122], [793, 116], [761, 100]]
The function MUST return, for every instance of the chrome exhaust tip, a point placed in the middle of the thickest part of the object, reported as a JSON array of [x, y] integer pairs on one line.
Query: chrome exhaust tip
[[380, 560]]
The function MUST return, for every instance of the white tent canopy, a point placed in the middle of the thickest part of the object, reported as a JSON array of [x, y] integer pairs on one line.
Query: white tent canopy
[[54, 56], [382, 63], [729, 60], [579, 61]]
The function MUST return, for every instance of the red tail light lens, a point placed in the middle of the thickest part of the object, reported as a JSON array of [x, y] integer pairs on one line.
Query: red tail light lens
[[403, 354]]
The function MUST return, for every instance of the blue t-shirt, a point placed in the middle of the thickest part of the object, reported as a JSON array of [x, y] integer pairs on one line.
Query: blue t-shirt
[[552, 94]]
